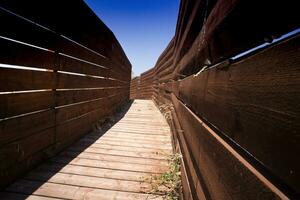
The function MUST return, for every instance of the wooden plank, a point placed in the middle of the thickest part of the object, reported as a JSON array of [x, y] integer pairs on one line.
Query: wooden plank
[[214, 157], [94, 169], [224, 36], [79, 66], [68, 81], [138, 136], [20, 80], [72, 130], [124, 148], [158, 155], [140, 131], [120, 75], [91, 182], [134, 138], [130, 144], [16, 196], [258, 97], [72, 192], [110, 164], [81, 26], [114, 158], [64, 97], [19, 54], [93, 172], [190, 151], [20, 150], [22, 30], [21, 103], [24, 126], [75, 110]]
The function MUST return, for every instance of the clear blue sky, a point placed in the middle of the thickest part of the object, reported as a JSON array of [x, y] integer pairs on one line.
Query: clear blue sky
[[143, 27]]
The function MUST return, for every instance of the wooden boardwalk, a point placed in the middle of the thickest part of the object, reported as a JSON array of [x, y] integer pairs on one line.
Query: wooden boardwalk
[[113, 165]]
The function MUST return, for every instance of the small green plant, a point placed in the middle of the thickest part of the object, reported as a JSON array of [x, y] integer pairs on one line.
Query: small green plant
[[168, 184]]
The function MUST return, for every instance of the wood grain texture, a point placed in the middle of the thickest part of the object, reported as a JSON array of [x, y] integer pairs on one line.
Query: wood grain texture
[[22, 103], [14, 53], [59, 76], [258, 97], [95, 168], [212, 159], [20, 80]]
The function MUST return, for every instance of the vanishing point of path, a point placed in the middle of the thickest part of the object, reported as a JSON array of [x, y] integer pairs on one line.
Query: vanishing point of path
[[113, 165]]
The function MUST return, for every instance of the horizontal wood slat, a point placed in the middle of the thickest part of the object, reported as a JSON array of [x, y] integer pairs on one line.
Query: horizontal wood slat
[[213, 157], [80, 25], [14, 53], [54, 71], [64, 97], [69, 81], [22, 103], [72, 111], [25, 31], [259, 98], [23, 126], [20, 80]]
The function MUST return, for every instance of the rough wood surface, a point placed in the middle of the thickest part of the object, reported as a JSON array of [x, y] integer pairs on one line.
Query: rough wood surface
[[113, 165], [211, 157], [255, 102]]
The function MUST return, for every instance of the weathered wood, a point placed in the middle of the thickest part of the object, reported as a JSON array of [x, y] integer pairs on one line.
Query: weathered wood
[[14, 53], [50, 62], [72, 192], [81, 25], [90, 182], [75, 110], [118, 168], [79, 66], [21, 30], [223, 35], [255, 102], [68, 81], [114, 158], [20, 80], [22, 103], [142, 146], [93, 172], [23, 148], [16, 196], [64, 97], [24, 126], [214, 156], [126, 148], [111, 165]]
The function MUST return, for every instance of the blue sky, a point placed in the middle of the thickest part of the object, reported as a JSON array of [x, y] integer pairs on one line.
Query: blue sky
[[143, 27]]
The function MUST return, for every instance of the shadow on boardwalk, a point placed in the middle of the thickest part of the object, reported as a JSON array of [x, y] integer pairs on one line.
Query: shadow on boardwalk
[[108, 163]]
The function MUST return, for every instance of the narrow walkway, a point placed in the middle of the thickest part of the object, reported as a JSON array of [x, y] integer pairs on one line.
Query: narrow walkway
[[113, 165]]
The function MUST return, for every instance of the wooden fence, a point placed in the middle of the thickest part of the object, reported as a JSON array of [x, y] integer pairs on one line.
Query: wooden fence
[[62, 70], [235, 117]]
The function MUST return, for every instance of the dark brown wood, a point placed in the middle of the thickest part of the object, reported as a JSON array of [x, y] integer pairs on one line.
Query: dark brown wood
[[72, 111], [13, 53], [214, 157], [81, 25], [64, 97], [228, 31], [24, 126], [22, 103], [79, 66], [68, 81], [255, 103], [20, 80], [23, 148], [78, 60]]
